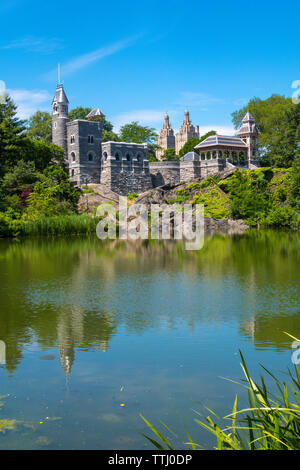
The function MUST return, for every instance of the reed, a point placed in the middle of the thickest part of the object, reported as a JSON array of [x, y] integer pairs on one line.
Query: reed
[[60, 225]]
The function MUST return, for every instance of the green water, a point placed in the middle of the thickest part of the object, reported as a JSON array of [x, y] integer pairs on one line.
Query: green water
[[89, 326]]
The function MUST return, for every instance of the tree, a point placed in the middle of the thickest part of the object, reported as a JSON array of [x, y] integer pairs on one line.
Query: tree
[[81, 113], [42, 153], [133, 132], [109, 136], [11, 135], [191, 143], [52, 195], [169, 154], [278, 121], [40, 126]]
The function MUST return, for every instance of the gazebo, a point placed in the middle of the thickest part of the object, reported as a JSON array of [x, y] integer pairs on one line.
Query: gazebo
[[231, 148]]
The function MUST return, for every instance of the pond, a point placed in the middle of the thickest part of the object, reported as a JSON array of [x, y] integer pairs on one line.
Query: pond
[[97, 333]]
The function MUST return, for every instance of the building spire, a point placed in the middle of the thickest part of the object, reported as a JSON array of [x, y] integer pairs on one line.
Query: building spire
[[186, 115]]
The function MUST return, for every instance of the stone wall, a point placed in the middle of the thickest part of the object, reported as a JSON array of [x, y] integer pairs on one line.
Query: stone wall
[[189, 170], [125, 168], [125, 177], [212, 167], [167, 172]]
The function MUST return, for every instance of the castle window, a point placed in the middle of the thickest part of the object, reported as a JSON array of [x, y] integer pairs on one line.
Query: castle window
[[105, 156], [73, 157], [90, 157], [138, 157], [90, 139], [128, 158], [117, 156], [72, 174], [72, 140]]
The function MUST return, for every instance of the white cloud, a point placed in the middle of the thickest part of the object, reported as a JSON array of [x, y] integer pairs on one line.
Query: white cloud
[[86, 59], [219, 128], [29, 101], [145, 117], [33, 44], [188, 98]]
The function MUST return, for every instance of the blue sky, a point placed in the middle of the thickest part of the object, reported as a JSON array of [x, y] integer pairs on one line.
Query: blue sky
[[137, 59]]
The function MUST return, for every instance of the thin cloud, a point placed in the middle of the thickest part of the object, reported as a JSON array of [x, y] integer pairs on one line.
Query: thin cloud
[[29, 101], [86, 59], [33, 44]]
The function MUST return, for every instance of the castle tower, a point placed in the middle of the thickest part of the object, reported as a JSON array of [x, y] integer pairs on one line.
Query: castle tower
[[60, 117], [186, 132], [248, 132], [166, 138]]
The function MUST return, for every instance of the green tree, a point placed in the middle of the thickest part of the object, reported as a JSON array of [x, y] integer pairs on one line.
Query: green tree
[[133, 132], [278, 120], [52, 195], [81, 113], [11, 135], [40, 126], [109, 136], [191, 143], [294, 184], [42, 153], [170, 154]]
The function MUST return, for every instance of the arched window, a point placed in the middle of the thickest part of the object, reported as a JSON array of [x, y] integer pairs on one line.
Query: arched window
[[72, 174], [72, 139], [128, 157], [90, 157], [105, 156], [73, 156], [138, 157], [117, 156]]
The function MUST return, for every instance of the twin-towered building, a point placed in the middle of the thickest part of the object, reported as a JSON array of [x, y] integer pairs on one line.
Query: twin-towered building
[[124, 168], [167, 139]]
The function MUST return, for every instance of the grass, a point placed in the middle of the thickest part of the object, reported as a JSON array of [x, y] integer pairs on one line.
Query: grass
[[269, 423], [60, 225]]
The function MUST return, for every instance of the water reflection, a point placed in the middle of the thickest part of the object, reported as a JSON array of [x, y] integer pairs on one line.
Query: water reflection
[[78, 294]]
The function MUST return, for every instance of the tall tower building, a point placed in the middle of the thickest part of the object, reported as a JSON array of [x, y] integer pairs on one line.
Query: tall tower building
[[166, 138], [186, 132], [60, 117], [248, 132]]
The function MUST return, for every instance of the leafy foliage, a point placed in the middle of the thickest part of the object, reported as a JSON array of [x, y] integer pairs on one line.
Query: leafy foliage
[[278, 120], [134, 132], [190, 145], [170, 154], [40, 126]]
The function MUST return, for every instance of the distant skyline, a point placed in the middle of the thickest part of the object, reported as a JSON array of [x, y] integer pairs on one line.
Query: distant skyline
[[135, 60]]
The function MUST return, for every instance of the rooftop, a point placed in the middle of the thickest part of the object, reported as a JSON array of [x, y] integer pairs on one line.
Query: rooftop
[[221, 140]]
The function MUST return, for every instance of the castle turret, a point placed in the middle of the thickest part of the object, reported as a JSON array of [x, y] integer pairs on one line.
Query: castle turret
[[60, 117], [166, 138], [248, 132]]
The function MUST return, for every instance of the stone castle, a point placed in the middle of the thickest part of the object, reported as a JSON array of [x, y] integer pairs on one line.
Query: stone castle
[[124, 167]]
